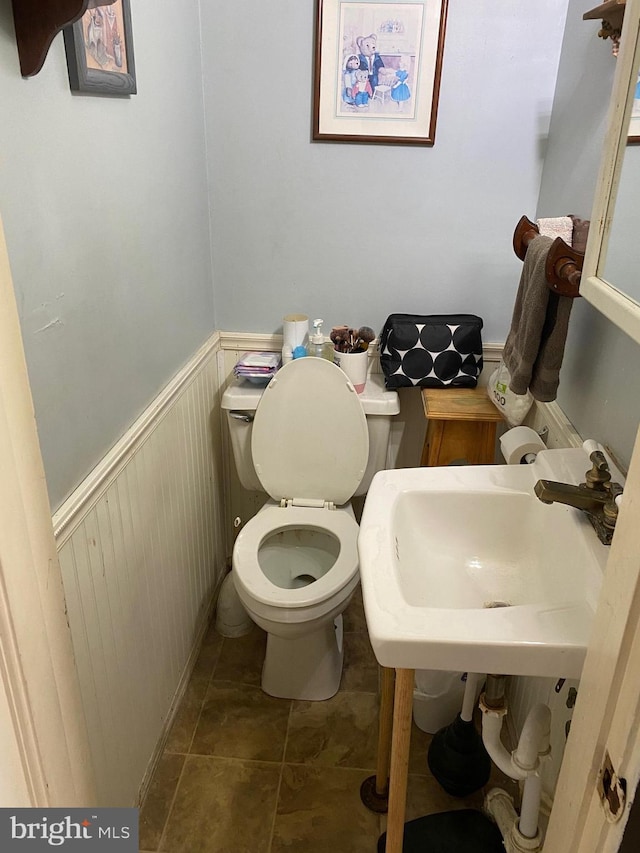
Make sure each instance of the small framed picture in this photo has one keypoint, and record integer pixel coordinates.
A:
(377, 71)
(99, 48)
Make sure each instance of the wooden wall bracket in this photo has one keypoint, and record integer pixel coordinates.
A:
(525, 232)
(611, 14)
(563, 267)
(38, 23)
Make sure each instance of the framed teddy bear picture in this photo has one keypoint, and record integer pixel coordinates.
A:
(377, 71)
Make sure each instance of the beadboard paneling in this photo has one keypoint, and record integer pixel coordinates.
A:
(141, 548)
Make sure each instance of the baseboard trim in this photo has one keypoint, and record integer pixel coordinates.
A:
(273, 343)
(250, 341)
(549, 421)
(492, 352)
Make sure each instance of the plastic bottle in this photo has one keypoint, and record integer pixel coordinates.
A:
(316, 340)
(318, 347)
(287, 354)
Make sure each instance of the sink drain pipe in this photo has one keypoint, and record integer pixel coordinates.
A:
(519, 833)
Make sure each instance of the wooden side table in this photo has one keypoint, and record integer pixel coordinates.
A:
(461, 426)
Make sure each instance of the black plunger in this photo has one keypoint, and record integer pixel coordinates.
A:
(457, 756)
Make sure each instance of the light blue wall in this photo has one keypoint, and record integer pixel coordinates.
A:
(600, 379)
(105, 208)
(352, 233)
(578, 121)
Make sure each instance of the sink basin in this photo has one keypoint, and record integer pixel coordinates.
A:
(464, 569)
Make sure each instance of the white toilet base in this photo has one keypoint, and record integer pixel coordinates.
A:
(308, 667)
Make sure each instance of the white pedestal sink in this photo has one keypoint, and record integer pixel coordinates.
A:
(463, 568)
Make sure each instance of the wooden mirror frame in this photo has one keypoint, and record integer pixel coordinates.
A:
(602, 294)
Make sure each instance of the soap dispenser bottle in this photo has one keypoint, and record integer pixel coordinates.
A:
(317, 345)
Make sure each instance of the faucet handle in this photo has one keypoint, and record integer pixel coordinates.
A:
(589, 445)
(599, 476)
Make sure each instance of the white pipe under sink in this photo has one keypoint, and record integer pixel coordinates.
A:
(520, 834)
(534, 740)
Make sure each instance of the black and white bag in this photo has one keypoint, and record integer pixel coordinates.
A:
(432, 350)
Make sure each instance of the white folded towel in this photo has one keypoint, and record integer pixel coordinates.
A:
(557, 226)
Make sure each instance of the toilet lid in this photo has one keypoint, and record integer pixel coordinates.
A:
(310, 437)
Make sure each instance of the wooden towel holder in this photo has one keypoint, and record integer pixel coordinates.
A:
(564, 264)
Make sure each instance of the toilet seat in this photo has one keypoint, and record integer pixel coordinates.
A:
(273, 519)
(310, 447)
(310, 439)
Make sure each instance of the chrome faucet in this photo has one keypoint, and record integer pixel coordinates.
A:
(596, 497)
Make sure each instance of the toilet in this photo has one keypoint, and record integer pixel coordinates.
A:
(306, 440)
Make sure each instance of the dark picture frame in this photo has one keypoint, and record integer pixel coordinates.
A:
(99, 48)
(377, 71)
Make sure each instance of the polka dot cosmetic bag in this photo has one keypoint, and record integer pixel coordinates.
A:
(431, 351)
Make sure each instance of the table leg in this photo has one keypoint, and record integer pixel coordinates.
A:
(387, 683)
(401, 740)
(374, 791)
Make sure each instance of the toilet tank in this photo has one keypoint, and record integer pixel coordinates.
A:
(241, 399)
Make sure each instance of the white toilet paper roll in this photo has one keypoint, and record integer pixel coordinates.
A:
(516, 443)
(295, 328)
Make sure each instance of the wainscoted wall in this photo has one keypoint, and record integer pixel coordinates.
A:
(142, 550)
(143, 545)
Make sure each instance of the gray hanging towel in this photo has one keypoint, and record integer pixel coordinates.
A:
(534, 347)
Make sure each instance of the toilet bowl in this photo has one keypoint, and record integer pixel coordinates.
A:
(295, 564)
(295, 576)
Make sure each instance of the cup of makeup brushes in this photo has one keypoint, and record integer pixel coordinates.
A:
(355, 365)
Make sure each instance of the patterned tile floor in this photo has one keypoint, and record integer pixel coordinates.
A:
(243, 771)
